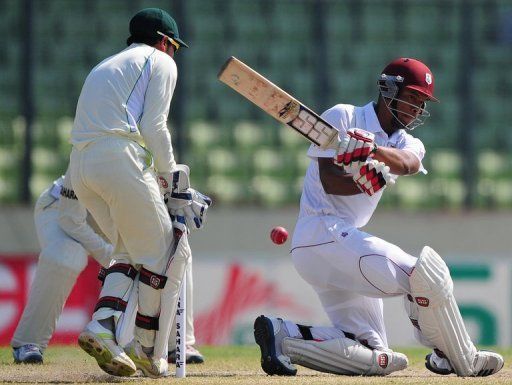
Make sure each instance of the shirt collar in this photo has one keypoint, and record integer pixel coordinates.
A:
(373, 124)
(371, 120)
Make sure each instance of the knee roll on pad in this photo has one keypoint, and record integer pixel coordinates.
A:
(343, 356)
(439, 317)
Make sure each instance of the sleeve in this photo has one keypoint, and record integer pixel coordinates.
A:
(73, 221)
(414, 145)
(335, 117)
(153, 123)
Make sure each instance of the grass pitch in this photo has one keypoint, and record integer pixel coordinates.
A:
(224, 366)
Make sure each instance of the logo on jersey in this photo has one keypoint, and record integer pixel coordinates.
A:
(344, 234)
(422, 301)
(428, 78)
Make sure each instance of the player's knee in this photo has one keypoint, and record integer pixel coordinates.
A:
(65, 253)
(384, 275)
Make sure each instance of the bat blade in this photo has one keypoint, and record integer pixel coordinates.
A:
(277, 103)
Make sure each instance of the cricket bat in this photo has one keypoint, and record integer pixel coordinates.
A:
(277, 103)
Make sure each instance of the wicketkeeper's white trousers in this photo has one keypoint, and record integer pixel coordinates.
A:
(112, 179)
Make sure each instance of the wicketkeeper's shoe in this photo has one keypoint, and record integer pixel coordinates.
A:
(154, 368)
(269, 334)
(100, 343)
(27, 354)
(193, 355)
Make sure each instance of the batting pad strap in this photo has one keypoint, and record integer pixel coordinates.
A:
(146, 322)
(114, 303)
(305, 331)
(123, 268)
(156, 281)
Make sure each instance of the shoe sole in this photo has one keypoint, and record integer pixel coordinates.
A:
(106, 361)
(264, 337)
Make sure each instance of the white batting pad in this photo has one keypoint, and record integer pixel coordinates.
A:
(343, 356)
(438, 314)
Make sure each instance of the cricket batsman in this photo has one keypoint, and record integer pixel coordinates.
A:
(351, 270)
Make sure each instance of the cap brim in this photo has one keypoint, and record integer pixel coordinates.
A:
(181, 42)
(418, 89)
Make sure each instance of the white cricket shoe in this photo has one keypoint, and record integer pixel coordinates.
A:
(27, 354)
(487, 363)
(193, 356)
(269, 334)
(100, 343)
(154, 368)
(437, 363)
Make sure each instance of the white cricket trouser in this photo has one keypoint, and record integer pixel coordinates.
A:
(112, 180)
(351, 271)
(60, 262)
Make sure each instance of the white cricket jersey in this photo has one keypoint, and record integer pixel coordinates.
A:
(129, 95)
(354, 210)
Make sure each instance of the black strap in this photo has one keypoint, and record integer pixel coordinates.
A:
(146, 322)
(305, 331)
(156, 281)
(123, 268)
(112, 303)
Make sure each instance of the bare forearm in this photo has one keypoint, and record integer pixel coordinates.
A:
(400, 162)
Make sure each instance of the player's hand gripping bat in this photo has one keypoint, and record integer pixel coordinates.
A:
(278, 104)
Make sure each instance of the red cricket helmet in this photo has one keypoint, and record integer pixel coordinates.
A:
(413, 74)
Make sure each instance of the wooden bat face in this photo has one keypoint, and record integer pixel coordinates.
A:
(277, 103)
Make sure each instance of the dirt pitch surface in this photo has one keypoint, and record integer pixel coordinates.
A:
(223, 366)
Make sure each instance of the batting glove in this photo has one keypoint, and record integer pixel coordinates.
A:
(355, 148)
(372, 177)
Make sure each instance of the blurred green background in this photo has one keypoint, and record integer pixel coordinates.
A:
(323, 52)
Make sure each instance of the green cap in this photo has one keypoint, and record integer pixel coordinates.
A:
(149, 21)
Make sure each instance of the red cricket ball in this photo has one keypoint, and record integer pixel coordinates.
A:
(279, 235)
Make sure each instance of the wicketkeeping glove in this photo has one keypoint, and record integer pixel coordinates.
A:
(189, 208)
(355, 148)
(373, 176)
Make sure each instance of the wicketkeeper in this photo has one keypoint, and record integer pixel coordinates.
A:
(120, 142)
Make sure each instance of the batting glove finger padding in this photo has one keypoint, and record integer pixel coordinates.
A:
(372, 177)
(356, 147)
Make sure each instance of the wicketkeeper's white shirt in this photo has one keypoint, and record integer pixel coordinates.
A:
(354, 210)
(129, 95)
